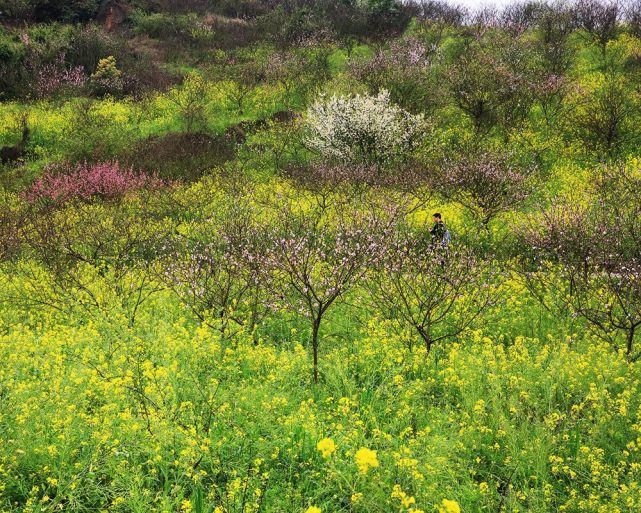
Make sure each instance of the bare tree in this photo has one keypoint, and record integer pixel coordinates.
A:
(486, 184)
(437, 292)
(599, 20)
(17, 151)
(554, 26)
(245, 76)
(300, 72)
(88, 256)
(597, 248)
(12, 216)
(603, 117)
(437, 11)
(191, 99)
(632, 15)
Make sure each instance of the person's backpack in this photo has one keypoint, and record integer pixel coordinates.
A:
(447, 238)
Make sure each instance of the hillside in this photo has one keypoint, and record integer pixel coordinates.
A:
(319, 256)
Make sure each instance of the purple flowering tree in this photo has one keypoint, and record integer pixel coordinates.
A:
(550, 91)
(315, 257)
(599, 20)
(329, 183)
(486, 184)
(218, 274)
(405, 69)
(58, 78)
(517, 18)
(491, 82)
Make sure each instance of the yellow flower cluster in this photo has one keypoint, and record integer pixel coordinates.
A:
(405, 500)
(449, 506)
(366, 459)
(327, 447)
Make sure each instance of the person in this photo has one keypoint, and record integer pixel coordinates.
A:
(439, 232)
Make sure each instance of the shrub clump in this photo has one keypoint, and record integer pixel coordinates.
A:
(180, 156)
(58, 78)
(87, 181)
(406, 70)
(362, 129)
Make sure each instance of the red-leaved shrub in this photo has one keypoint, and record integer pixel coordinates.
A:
(86, 181)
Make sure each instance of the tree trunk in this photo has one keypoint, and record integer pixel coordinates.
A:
(630, 341)
(254, 316)
(315, 330)
(427, 339)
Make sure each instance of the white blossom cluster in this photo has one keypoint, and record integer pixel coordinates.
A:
(362, 129)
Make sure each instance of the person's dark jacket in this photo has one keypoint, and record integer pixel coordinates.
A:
(438, 232)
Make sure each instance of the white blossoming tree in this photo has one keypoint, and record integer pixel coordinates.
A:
(362, 130)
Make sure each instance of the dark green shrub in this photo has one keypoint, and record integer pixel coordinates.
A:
(16, 9)
(12, 71)
(50, 10)
(180, 156)
(91, 43)
(66, 10)
(160, 25)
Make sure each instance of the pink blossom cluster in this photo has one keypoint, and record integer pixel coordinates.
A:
(407, 55)
(311, 265)
(54, 77)
(487, 183)
(85, 181)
